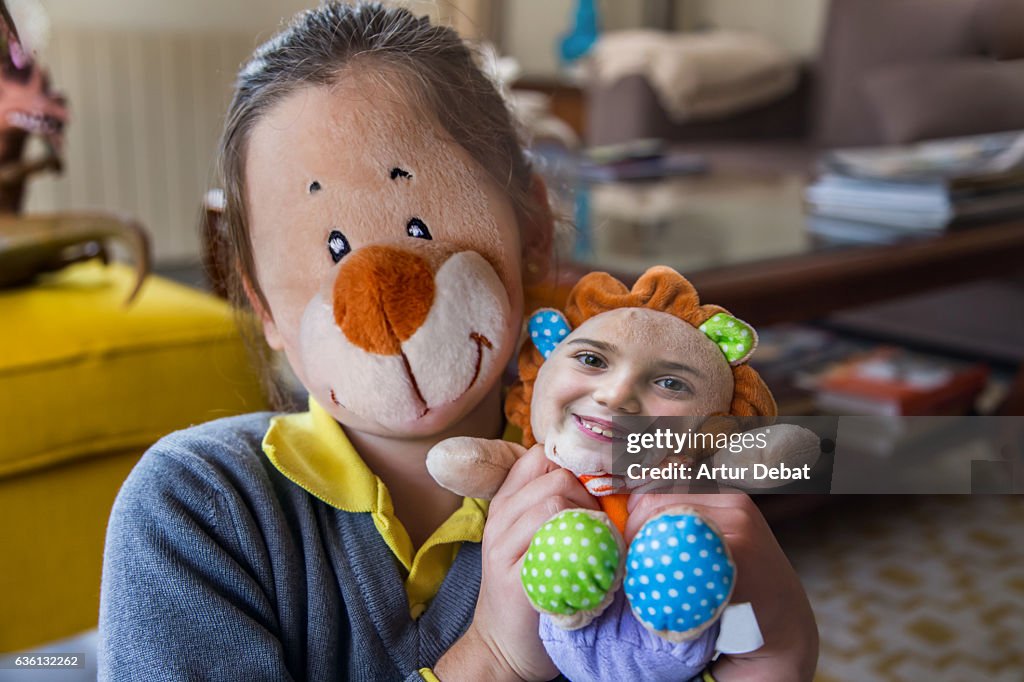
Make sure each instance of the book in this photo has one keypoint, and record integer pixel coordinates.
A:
(787, 352)
(651, 168)
(891, 381)
(925, 205)
(853, 232)
(958, 162)
(927, 186)
(644, 148)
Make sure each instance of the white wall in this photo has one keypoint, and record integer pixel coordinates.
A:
(249, 16)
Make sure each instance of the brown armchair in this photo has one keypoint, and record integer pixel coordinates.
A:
(888, 72)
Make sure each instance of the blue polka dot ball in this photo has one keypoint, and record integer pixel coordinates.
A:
(679, 575)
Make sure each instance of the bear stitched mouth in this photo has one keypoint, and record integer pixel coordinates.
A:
(415, 386)
(481, 342)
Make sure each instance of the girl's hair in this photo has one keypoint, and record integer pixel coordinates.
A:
(662, 289)
(430, 64)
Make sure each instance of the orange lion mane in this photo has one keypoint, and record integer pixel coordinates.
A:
(660, 288)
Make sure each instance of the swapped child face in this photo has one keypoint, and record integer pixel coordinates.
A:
(390, 261)
(625, 362)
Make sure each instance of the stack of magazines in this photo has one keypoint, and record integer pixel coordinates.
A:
(886, 193)
(643, 159)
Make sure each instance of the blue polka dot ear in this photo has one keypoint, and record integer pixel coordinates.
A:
(736, 338)
(547, 328)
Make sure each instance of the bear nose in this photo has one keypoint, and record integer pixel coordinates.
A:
(381, 297)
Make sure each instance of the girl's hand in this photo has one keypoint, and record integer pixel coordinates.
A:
(502, 642)
(764, 577)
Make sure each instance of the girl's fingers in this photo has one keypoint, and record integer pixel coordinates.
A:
(516, 516)
(520, 534)
(729, 497)
(527, 468)
(732, 514)
(512, 502)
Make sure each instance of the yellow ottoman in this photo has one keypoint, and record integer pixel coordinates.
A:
(86, 385)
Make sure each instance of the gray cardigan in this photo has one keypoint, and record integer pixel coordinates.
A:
(217, 567)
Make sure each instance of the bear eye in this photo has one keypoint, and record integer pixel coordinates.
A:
(417, 228)
(337, 245)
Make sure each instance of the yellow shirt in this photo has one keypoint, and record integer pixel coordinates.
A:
(312, 450)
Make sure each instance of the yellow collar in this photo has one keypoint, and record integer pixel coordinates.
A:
(312, 450)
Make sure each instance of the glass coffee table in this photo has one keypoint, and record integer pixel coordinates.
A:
(744, 242)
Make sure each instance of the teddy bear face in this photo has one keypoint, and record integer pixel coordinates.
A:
(390, 261)
(625, 362)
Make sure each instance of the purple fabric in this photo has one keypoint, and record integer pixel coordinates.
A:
(615, 646)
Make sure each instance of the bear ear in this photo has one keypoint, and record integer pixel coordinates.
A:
(547, 327)
(736, 338)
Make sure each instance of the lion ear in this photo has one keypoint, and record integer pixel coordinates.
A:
(596, 293)
(547, 327)
(736, 338)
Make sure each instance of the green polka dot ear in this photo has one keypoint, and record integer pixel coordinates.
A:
(736, 338)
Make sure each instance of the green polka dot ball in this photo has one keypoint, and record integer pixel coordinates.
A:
(571, 564)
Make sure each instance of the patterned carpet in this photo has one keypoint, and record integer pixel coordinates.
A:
(915, 588)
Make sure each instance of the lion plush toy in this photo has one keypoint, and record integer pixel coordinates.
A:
(650, 351)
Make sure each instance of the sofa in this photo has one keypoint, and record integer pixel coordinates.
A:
(887, 72)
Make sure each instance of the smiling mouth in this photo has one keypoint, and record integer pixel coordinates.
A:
(599, 429)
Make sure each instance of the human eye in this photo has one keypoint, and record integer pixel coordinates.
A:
(592, 360)
(338, 245)
(674, 385)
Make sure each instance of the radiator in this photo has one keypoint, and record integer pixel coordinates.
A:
(146, 111)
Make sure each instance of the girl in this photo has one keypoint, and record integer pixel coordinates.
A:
(382, 218)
